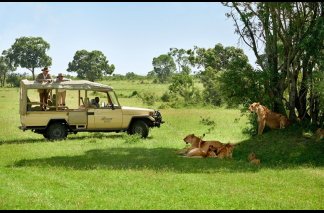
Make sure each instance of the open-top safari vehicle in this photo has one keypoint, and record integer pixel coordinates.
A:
(79, 115)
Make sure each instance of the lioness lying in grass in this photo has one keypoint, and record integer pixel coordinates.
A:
(201, 148)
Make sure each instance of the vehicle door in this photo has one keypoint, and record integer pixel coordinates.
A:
(108, 116)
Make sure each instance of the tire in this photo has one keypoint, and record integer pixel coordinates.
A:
(139, 127)
(56, 131)
(45, 135)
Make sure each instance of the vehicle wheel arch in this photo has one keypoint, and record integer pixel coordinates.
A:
(60, 120)
(145, 119)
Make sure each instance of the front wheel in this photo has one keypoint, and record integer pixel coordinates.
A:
(139, 127)
(56, 131)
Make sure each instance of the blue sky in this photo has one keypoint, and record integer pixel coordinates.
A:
(130, 34)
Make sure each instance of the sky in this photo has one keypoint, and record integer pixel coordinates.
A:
(129, 34)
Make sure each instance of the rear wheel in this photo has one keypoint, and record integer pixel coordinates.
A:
(139, 127)
(56, 131)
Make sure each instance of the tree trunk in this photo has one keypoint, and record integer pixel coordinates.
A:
(301, 101)
(292, 95)
(33, 72)
(315, 110)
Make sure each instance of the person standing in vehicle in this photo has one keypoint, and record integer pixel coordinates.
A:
(43, 93)
(61, 93)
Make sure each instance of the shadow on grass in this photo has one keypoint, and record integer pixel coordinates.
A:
(70, 137)
(277, 149)
(279, 153)
(158, 159)
(22, 141)
(284, 148)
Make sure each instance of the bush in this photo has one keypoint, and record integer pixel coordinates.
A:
(148, 98)
(134, 93)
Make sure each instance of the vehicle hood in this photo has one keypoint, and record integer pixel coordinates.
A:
(136, 110)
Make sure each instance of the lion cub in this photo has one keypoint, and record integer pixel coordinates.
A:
(226, 151)
(252, 159)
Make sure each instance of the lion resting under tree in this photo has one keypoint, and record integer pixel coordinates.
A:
(267, 117)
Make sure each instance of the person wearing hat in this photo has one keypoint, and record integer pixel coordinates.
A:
(43, 93)
(61, 93)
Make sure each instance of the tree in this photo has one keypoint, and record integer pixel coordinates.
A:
(164, 67)
(4, 69)
(226, 75)
(30, 53)
(181, 57)
(90, 65)
(14, 79)
(287, 39)
(182, 84)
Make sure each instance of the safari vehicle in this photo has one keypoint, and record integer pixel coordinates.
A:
(79, 115)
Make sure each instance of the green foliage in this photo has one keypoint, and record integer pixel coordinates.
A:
(181, 57)
(90, 65)
(227, 75)
(209, 123)
(242, 85)
(182, 84)
(211, 94)
(30, 53)
(148, 98)
(251, 128)
(164, 67)
(4, 69)
(134, 93)
(166, 97)
(292, 46)
(133, 76)
(14, 79)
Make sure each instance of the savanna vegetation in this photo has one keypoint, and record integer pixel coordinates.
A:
(204, 91)
(119, 171)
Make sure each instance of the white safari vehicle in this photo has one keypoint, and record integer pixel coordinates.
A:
(78, 114)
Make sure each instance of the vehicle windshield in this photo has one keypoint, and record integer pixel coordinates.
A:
(113, 98)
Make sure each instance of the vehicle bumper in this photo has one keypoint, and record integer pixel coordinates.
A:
(157, 119)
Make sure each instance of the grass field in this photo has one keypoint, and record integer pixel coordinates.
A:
(118, 171)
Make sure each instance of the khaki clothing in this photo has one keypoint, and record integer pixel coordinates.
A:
(40, 77)
(43, 93)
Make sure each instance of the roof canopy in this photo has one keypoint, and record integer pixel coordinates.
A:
(73, 85)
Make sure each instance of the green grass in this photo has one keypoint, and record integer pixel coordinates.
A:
(118, 171)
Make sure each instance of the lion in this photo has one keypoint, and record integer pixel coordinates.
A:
(267, 117)
(253, 159)
(226, 151)
(199, 147)
(319, 134)
(200, 153)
